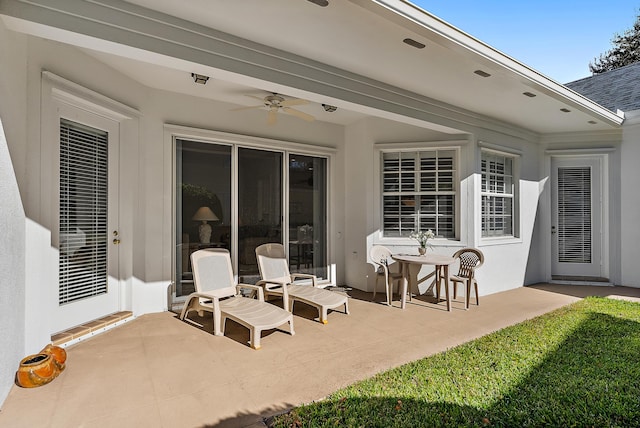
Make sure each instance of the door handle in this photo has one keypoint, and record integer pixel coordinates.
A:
(553, 230)
(116, 241)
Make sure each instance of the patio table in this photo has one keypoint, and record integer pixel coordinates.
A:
(441, 264)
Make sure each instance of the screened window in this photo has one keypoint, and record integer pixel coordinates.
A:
(498, 194)
(419, 192)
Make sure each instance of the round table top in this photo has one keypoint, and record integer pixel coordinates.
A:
(426, 259)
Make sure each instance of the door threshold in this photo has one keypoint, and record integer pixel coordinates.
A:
(580, 280)
(77, 334)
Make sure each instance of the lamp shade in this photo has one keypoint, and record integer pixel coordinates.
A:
(205, 214)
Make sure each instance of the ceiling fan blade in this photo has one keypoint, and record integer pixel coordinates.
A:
(299, 114)
(294, 102)
(272, 117)
(246, 108)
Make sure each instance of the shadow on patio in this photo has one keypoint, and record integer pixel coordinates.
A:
(161, 372)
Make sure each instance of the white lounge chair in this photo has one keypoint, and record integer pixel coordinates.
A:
(217, 292)
(278, 281)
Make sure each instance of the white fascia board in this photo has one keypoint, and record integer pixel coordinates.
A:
(114, 25)
(422, 22)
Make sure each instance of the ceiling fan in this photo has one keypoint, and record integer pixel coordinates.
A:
(275, 103)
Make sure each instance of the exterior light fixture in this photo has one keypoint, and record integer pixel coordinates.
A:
(329, 108)
(321, 3)
(592, 122)
(529, 94)
(565, 110)
(482, 73)
(200, 78)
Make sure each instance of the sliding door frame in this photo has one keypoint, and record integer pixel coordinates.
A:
(237, 141)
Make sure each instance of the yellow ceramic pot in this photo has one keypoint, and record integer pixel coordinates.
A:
(36, 370)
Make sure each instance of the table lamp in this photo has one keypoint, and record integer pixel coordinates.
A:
(205, 214)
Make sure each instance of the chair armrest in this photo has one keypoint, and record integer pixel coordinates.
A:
(313, 278)
(269, 284)
(256, 289)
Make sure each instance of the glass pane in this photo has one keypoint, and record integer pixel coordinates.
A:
(308, 215)
(203, 204)
(259, 207)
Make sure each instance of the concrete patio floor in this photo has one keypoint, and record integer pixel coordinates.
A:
(157, 371)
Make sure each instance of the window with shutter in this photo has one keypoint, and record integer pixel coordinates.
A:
(498, 194)
(419, 192)
(83, 212)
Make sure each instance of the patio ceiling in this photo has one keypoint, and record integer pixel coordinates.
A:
(349, 54)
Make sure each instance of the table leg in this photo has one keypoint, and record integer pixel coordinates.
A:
(446, 285)
(405, 283)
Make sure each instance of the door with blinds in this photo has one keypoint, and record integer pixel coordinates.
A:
(87, 228)
(577, 220)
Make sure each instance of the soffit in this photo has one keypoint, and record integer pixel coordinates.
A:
(366, 39)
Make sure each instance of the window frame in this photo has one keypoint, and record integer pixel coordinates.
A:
(514, 196)
(385, 148)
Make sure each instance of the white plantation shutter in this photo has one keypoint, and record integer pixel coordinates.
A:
(574, 215)
(83, 212)
(418, 192)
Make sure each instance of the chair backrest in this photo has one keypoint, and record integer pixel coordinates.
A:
(470, 259)
(380, 255)
(213, 272)
(272, 261)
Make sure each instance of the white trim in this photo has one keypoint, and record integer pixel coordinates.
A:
(378, 150)
(83, 98)
(516, 236)
(424, 145)
(205, 135)
(496, 148)
(579, 152)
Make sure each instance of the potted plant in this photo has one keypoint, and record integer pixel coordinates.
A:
(422, 236)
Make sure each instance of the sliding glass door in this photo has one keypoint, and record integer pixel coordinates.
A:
(259, 207)
(234, 197)
(203, 205)
(308, 214)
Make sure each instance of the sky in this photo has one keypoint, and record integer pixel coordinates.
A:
(556, 38)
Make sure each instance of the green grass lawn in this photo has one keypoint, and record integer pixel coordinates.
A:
(578, 366)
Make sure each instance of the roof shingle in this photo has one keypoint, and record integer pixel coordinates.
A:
(615, 89)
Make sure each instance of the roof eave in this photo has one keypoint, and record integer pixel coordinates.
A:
(409, 15)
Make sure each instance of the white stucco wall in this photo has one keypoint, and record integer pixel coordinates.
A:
(630, 201)
(507, 260)
(145, 172)
(12, 217)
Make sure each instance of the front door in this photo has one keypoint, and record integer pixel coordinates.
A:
(577, 218)
(87, 228)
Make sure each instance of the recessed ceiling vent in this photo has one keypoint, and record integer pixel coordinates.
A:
(482, 73)
(414, 43)
(322, 3)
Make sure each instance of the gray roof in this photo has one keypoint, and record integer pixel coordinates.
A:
(615, 89)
